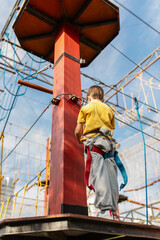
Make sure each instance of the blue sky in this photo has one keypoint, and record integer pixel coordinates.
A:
(135, 39)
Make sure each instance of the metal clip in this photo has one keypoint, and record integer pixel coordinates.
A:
(55, 101)
(74, 99)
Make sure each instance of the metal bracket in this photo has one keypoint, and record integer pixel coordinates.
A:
(74, 99)
(55, 101)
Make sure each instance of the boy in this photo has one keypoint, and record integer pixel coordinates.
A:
(98, 121)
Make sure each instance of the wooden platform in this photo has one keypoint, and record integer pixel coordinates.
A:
(75, 227)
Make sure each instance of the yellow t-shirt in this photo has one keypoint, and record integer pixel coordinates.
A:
(95, 115)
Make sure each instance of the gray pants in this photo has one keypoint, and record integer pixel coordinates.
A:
(103, 176)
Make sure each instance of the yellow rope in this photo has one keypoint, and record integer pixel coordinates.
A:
(8, 200)
(14, 207)
(38, 184)
(1, 209)
(25, 188)
(2, 138)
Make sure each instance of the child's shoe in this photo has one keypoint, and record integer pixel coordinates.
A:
(107, 214)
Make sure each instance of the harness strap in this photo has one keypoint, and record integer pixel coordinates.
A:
(119, 165)
(105, 155)
(88, 164)
(122, 170)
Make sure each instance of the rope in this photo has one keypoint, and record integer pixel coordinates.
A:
(38, 184)
(2, 209)
(33, 125)
(14, 207)
(15, 70)
(34, 59)
(25, 188)
(2, 138)
(8, 200)
(26, 132)
(7, 149)
(11, 108)
(27, 184)
(145, 162)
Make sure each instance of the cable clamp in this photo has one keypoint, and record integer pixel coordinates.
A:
(2, 135)
(55, 101)
(82, 61)
(74, 99)
(47, 166)
(39, 174)
(49, 66)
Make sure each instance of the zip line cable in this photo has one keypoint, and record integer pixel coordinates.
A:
(34, 124)
(137, 129)
(27, 132)
(137, 65)
(153, 148)
(137, 16)
(112, 88)
(26, 184)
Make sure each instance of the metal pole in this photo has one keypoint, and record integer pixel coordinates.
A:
(34, 86)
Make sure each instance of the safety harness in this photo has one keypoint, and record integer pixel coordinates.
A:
(105, 155)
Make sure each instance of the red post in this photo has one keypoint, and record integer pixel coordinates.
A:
(67, 192)
(47, 176)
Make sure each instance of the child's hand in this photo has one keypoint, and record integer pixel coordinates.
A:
(78, 131)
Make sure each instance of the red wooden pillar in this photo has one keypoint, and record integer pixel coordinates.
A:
(67, 192)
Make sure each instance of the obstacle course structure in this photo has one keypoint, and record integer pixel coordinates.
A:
(63, 32)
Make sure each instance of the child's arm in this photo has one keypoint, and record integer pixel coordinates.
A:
(78, 131)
